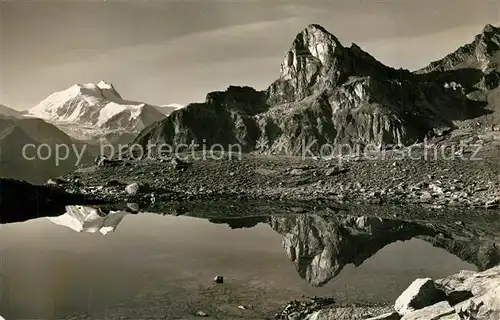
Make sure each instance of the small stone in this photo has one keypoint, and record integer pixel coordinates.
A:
(242, 307)
(201, 314)
(425, 196)
(219, 279)
(55, 182)
(135, 188)
(132, 189)
(133, 206)
(297, 172)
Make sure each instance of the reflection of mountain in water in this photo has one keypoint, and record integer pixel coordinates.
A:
(89, 219)
(320, 247)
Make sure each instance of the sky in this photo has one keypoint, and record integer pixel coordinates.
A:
(168, 51)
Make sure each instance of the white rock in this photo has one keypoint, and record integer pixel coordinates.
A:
(420, 294)
(387, 316)
(436, 311)
(132, 189)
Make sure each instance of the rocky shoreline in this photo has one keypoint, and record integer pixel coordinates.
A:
(467, 295)
(379, 178)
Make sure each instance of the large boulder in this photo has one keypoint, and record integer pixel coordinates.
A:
(387, 316)
(440, 310)
(420, 294)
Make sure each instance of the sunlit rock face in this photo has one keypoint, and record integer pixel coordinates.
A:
(89, 219)
(326, 93)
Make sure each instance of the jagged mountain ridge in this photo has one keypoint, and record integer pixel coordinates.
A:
(90, 111)
(326, 93)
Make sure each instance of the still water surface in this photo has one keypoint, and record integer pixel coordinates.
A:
(166, 264)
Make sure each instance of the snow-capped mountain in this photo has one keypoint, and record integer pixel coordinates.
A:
(92, 111)
(88, 219)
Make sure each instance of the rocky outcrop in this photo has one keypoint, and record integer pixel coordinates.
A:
(329, 94)
(482, 303)
(481, 54)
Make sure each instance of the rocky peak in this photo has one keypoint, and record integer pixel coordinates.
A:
(313, 60)
(481, 54)
(313, 42)
(490, 28)
(316, 62)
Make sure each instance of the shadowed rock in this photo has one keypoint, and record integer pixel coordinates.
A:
(320, 247)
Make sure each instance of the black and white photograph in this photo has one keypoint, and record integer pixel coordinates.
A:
(250, 159)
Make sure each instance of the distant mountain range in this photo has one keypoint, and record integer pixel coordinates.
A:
(80, 115)
(333, 94)
(326, 93)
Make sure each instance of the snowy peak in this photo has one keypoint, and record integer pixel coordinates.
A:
(97, 106)
(314, 44)
(88, 219)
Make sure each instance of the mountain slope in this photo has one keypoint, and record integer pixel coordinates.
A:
(473, 69)
(169, 108)
(9, 112)
(17, 132)
(326, 94)
(91, 111)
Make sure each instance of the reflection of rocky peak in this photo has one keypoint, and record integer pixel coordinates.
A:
(89, 219)
(483, 254)
(321, 247)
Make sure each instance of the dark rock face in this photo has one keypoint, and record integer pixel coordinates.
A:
(225, 118)
(36, 201)
(15, 133)
(330, 94)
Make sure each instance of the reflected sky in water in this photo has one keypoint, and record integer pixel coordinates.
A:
(50, 271)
